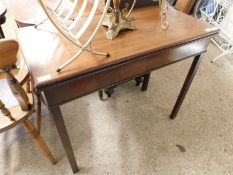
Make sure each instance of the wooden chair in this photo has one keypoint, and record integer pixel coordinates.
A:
(23, 74)
(23, 77)
(185, 6)
(14, 116)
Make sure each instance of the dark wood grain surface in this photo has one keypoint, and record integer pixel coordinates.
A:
(29, 12)
(133, 54)
(45, 51)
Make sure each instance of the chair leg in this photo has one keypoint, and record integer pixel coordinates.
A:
(39, 140)
(38, 112)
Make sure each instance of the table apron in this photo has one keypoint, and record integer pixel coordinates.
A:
(80, 86)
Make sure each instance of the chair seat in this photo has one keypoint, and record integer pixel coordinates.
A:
(17, 114)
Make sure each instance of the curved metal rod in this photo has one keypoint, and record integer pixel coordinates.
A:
(41, 22)
(88, 21)
(132, 7)
(58, 5)
(66, 15)
(58, 27)
(63, 7)
(79, 15)
(66, 33)
(90, 39)
(71, 11)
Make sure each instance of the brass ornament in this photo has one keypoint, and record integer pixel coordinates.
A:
(163, 13)
(117, 20)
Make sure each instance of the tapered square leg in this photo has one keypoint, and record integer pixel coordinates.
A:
(61, 128)
(145, 83)
(192, 72)
(1, 33)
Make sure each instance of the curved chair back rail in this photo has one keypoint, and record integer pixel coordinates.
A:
(8, 52)
(13, 116)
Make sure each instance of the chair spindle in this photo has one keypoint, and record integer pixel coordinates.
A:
(5, 111)
(17, 90)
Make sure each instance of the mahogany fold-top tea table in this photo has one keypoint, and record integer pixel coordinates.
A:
(133, 53)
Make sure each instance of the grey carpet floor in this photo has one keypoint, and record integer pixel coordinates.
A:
(130, 134)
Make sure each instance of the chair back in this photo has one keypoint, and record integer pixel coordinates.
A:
(8, 52)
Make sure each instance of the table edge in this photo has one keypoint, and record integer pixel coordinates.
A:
(47, 84)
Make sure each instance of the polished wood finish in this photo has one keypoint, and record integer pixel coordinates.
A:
(192, 71)
(145, 83)
(17, 90)
(145, 41)
(22, 75)
(39, 140)
(95, 80)
(5, 111)
(38, 110)
(35, 14)
(61, 128)
(17, 116)
(14, 116)
(133, 54)
(185, 5)
(8, 52)
(25, 16)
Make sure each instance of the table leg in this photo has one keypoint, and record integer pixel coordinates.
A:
(192, 71)
(61, 128)
(145, 83)
(1, 33)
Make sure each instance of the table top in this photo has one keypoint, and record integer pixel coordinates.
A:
(29, 12)
(44, 50)
(26, 16)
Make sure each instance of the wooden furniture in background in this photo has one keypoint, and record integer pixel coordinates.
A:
(185, 6)
(16, 115)
(133, 54)
(2, 18)
(35, 14)
(22, 74)
(29, 16)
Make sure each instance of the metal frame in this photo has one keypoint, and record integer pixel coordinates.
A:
(216, 14)
(59, 20)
